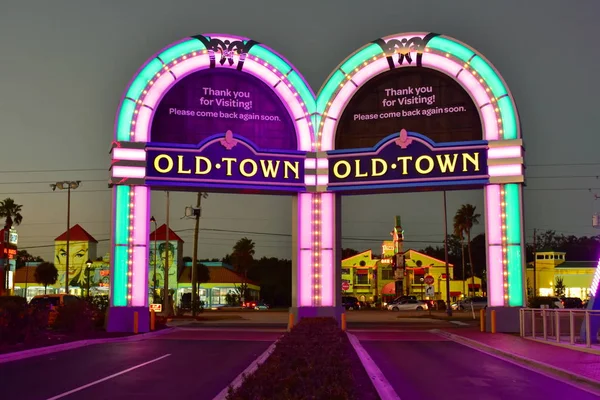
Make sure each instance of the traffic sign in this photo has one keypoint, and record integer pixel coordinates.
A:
(429, 280)
(345, 286)
(157, 307)
(429, 291)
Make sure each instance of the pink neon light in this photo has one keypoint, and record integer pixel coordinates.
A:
(142, 125)
(342, 98)
(505, 170)
(595, 280)
(120, 171)
(258, 69)
(193, 63)
(139, 277)
(327, 141)
(140, 217)
(304, 134)
(444, 64)
(505, 152)
(129, 154)
(310, 163)
(327, 269)
(160, 86)
(493, 214)
(310, 180)
(495, 276)
(322, 163)
(490, 123)
(474, 87)
(369, 71)
(407, 36)
(327, 220)
(305, 253)
(291, 100)
(322, 180)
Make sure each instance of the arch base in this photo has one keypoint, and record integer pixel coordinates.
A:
(120, 319)
(317, 312)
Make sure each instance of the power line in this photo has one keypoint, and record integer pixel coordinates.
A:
(48, 182)
(53, 170)
(563, 164)
(51, 192)
(562, 176)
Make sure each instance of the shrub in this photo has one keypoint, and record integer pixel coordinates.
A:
(313, 361)
(21, 323)
(75, 318)
(99, 306)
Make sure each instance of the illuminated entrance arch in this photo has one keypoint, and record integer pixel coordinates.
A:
(500, 128)
(153, 148)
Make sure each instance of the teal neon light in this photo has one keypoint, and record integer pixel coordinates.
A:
(303, 90)
(509, 118)
(515, 276)
(122, 215)
(141, 81)
(329, 89)
(120, 277)
(181, 49)
(513, 214)
(360, 57)
(271, 58)
(445, 45)
(125, 117)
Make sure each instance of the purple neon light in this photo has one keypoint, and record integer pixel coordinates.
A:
(326, 256)
(120, 171)
(493, 214)
(505, 170)
(305, 261)
(595, 280)
(505, 152)
(495, 276)
(129, 154)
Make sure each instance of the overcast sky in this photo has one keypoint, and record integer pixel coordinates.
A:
(65, 65)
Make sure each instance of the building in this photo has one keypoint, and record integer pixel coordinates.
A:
(551, 266)
(372, 279)
(223, 281)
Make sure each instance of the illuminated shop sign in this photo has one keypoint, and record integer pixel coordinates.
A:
(408, 160)
(225, 161)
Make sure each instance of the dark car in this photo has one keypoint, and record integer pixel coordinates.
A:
(572, 302)
(350, 303)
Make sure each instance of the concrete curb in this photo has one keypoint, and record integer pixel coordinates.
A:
(237, 382)
(566, 346)
(40, 351)
(381, 384)
(547, 368)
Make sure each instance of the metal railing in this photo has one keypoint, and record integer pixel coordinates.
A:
(574, 327)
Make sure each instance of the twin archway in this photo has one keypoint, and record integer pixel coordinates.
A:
(315, 120)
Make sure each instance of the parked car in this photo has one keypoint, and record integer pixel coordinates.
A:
(407, 305)
(350, 303)
(572, 302)
(399, 299)
(474, 303)
(54, 302)
(261, 305)
(10, 301)
(549, 301)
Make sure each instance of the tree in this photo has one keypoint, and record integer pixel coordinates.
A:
(559, 287)
(243, 257)
(24, 257)
(46, 274)
(11, 211)
(464, 220)
(529, 289)
(347, 253)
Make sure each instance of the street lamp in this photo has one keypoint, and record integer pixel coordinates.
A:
(68, 185)
(88, 265)
(154, 283)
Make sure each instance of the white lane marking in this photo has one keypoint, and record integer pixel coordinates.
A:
(459, 323)
(60, 396)
(237, 382)
(383, 387)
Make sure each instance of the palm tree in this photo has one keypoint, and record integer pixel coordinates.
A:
(243, 257)
(464, 220)
(11, 211)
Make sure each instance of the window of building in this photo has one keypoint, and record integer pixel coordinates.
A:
(539, 256)
(345, 271)
(387, 274)
(362, 279)
(215, 296)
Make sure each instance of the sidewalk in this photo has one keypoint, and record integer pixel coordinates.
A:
(568, 363)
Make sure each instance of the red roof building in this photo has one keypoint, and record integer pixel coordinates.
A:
(161, 235)
(76, 234)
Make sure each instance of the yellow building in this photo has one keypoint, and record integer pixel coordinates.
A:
(373, 279)
(551, 265)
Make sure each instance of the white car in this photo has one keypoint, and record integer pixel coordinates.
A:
(407, 305)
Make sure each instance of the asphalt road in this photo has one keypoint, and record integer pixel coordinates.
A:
(421, 366)
(182, 365)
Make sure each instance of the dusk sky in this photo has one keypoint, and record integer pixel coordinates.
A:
(65, 66)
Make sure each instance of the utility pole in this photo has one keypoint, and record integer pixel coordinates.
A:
(462, 252)
(534, 262)
(195, 255)
(448, 308)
